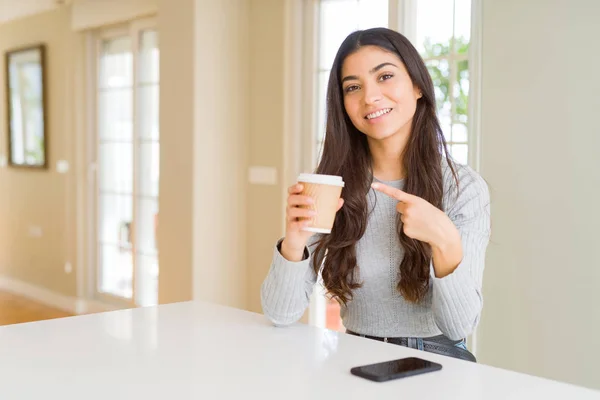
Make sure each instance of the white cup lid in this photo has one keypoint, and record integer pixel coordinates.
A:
(322, 179)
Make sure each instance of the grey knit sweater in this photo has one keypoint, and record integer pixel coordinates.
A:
(452, 305)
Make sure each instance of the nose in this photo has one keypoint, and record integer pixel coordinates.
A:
(372, 93)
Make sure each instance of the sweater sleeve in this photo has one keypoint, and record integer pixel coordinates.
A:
(457, 298)
(285, 292)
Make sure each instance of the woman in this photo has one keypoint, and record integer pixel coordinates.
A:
(405, 257)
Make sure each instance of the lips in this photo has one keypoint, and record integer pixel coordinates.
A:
(378, 113)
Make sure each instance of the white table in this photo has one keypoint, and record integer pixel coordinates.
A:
(194, 350)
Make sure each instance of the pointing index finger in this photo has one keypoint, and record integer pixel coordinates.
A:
(390, 191)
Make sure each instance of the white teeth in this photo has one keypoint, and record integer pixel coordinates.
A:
(379, 113)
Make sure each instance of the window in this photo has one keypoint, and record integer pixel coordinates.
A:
(442, 38)
(127, 160)
(441, 32)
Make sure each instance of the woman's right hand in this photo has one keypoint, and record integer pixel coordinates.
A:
(298, 216)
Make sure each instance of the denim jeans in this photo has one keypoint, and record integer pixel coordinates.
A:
(462, 344)
(417, 343)
(437, 344)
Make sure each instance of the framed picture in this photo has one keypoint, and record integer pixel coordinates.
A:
(26, 107)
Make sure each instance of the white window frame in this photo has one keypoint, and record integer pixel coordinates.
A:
(133, 30)
(403, 17)
(302, 23)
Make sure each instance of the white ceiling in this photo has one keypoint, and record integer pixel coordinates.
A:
(14, 9)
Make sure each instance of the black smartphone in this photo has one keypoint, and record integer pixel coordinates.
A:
(394, 369)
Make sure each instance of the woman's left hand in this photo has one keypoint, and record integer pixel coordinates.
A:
(421, 220)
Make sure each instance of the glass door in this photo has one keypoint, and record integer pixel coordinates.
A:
(127, 165)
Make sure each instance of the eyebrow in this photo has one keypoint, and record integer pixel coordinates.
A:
(377, 68)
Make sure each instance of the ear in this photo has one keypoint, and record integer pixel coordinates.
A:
(418, 92)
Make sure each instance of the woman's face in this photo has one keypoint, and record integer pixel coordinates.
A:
(379, 96)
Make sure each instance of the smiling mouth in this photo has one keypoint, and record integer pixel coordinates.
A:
(378, 114)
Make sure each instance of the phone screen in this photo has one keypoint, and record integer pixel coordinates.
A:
(395, 369)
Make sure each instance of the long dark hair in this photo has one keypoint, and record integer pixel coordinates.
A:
(346, 153)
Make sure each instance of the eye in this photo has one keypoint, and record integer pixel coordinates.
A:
(351, 88)
(385, 77)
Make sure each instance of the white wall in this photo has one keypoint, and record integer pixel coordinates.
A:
(266, 139)
(540, 155)
(204, 145)
(221, 131)
(175, 238)
(43, 200)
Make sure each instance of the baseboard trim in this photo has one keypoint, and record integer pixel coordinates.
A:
(50, 298)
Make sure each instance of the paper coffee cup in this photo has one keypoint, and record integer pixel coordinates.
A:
(325, 190)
